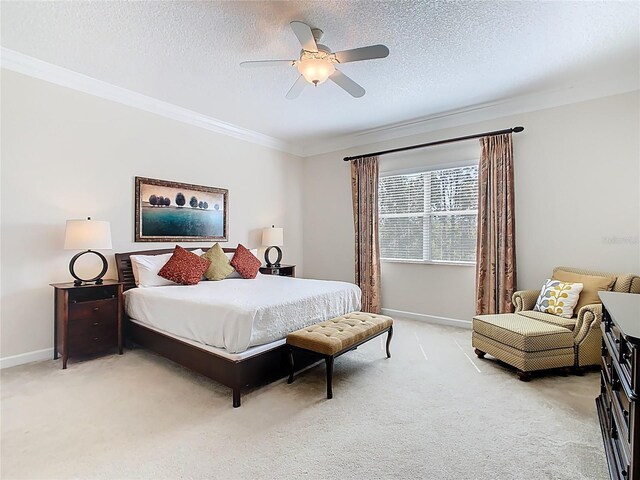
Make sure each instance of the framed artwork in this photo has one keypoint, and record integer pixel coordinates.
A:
(179, 212)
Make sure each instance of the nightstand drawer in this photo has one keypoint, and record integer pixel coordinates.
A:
(79, 329)
(97, 310)
(93, 343)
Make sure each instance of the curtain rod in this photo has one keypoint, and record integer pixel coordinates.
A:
(437, 142)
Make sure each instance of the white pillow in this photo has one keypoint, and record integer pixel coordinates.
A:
(230, 256)
(146, 267)
(558, 298)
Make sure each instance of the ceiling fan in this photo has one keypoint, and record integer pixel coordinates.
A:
(317, 63)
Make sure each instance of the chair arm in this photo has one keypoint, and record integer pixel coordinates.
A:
(589, 318)
(525, 299)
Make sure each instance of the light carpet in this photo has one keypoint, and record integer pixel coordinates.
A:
(433, 411)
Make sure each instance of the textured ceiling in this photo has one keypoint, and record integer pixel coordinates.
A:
(444, 55)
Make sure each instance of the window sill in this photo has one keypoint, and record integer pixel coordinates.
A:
(423, 262)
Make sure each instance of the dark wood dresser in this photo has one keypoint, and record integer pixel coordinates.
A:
(88, 319)
(617, 403)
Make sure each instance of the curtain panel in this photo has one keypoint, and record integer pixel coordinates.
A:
(364, 189)
(496, 242)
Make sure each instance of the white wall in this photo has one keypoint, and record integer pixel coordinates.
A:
(67, 155)
(577, 171)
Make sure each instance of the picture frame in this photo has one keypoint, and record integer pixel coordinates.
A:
(167, 211)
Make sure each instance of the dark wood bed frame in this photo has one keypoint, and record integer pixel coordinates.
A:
(257, 370)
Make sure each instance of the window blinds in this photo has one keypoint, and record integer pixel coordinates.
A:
(429, 216)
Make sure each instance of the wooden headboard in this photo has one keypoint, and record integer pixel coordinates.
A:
(123, 262)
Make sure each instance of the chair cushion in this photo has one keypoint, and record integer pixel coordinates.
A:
(591, 285)
(625, 282)
(523, 333)
(337, 334)
(569, 323)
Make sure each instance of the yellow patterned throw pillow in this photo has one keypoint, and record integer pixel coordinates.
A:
(220, 267)
(558, 298)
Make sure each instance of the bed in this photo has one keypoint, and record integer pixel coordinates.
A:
(233, 331)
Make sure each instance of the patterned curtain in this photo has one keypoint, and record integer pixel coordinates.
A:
(496, 249)
(364, 189)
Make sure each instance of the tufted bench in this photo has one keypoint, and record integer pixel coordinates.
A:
(334, 337)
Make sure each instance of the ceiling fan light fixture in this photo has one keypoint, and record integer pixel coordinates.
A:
(316, 70)
(316, 63)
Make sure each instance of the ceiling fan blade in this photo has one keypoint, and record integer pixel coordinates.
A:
(266, 63)
(344, 82)
(303, 32)
(362, 53)
(296, 89)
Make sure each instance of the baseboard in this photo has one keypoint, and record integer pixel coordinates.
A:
(451, 322)
(38, 355)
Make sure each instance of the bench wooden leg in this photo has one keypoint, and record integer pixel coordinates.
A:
(329, 361)
(389, 335)
(291, 366)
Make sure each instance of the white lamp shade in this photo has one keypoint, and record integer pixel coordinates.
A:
(87, 235)
(272, 237)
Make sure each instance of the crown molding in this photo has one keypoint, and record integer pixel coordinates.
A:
(473, 114)
(27, 65)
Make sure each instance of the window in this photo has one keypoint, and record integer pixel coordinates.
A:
(429, 216)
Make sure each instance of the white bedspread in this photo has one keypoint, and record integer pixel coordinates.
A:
(236, 314)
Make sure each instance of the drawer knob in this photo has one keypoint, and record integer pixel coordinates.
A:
(96, 323)
(95, 309)
(95, 339)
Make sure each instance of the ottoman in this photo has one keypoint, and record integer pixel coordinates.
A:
(524, 343)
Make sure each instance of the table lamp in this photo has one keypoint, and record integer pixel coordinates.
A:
(87, 235)
(272, 238)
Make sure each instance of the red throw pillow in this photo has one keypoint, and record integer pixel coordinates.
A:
(184, 267)
(245, 263)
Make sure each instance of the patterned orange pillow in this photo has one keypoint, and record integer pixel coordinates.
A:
(184, 267)
(245, 263)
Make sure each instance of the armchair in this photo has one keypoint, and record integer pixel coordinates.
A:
(586, 324)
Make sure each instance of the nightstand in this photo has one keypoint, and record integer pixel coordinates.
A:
(282, 270)
(88, 319)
